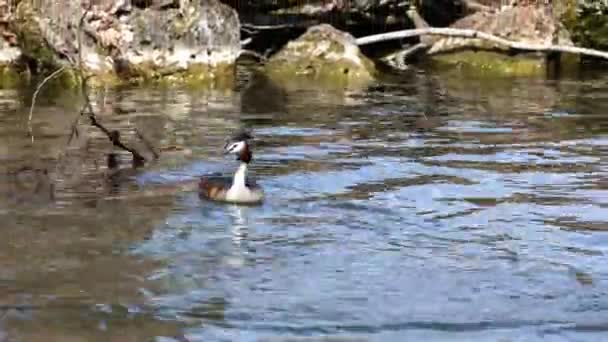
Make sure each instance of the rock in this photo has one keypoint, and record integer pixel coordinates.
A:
(525, 24)
(196, 40)
(9, 52)
(202, 33)
(47, 36)
(322, 55)
(530, 24)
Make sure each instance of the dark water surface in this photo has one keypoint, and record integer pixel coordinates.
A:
(429, 207)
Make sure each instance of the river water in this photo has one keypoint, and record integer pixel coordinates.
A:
(430, 206)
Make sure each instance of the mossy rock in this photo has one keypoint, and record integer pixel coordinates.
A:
(10, 77)
(323, 56)
(493, 64)
(31, 40)
(196, 47)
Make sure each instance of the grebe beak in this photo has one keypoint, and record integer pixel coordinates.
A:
(226, 147)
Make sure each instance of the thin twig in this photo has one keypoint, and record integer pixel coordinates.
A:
(475, 6)
(412, 50)
(473, 34)
(400, 57)
(246, 41)
(266, 27)
(249, 31)
(35, 96)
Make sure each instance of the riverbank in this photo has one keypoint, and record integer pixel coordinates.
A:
(321, 43)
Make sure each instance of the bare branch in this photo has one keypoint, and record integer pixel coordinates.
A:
(267, 27)
(401, 56)
(473, 34)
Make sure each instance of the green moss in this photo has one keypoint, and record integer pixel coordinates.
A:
(69, 81)
(10, 77)
(592, 31)
(202, 76)
(484, 63)
(222, 76)
(587, 22)
(197, 76)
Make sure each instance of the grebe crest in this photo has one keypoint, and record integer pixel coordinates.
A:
(238, 189)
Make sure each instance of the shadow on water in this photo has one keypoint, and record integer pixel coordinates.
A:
(428, 206)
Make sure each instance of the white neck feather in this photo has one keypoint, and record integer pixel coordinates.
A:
(239, 176)
(239, 192)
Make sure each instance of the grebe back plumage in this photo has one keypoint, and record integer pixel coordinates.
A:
(237, 189)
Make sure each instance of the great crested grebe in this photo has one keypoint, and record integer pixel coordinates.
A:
(236, 189)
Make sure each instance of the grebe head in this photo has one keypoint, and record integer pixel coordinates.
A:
(239, 146)
(235, 147)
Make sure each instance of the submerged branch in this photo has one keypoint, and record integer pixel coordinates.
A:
(473, 34)
(74, 130)
(113, 136)
(147, 143)
(35, 96)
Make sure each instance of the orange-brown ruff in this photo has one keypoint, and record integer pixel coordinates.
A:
(236, 189)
